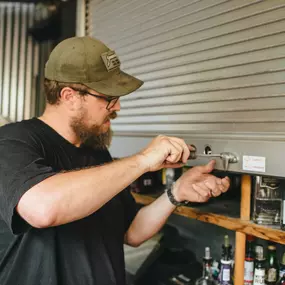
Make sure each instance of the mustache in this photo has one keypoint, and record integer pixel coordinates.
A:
(113, 115)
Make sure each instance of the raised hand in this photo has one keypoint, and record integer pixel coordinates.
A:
(198, 185)
(165, 152)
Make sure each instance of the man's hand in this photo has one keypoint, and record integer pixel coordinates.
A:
(198, 185)
(165, 152)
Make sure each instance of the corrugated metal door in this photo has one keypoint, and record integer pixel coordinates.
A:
(21, 63)
(213, 72)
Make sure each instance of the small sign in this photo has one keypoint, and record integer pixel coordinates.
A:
(253, 163)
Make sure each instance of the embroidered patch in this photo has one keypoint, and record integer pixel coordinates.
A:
(110, 60)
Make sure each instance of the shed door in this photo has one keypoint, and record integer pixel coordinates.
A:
(213, 72)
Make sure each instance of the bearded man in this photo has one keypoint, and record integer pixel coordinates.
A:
(64, 210)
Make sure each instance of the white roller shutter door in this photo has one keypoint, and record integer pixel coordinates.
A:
(213, 72)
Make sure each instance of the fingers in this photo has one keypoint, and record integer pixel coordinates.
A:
(203, 193)
(207, 168)
(164, 150)
(226, 184)
(214, 186)
(185, 151)
(207, 187)
(175, 152)
(217, 186)
(172, 165)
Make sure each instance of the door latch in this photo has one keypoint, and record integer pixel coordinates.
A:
(226, 157)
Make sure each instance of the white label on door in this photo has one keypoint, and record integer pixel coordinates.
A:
(253, 163)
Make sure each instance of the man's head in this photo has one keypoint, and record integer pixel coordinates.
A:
(83, 80)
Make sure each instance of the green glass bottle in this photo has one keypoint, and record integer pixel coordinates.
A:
(272, 275)
(282, 266)
(282, 280)
(259, 269)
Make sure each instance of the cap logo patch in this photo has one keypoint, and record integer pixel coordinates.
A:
(110, 60)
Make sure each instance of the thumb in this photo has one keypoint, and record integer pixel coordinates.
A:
(209, 167)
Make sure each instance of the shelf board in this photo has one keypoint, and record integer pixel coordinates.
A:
(233, 224)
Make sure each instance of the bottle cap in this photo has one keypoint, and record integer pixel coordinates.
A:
(226, 244)
(207, 253)
(272, 247)
(259, 252)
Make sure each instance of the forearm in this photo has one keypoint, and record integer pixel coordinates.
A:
(149, 221)
(73, 195)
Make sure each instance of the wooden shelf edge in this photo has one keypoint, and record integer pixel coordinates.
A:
(233, 224)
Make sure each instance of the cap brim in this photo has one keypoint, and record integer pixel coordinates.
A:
(119, 84)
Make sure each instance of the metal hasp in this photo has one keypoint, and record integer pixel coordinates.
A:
(227, 158)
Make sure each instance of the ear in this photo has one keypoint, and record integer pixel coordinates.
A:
(69, 97)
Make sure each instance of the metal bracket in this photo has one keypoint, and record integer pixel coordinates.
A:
(228, 157)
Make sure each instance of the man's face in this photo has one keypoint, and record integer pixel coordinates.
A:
(92, 120)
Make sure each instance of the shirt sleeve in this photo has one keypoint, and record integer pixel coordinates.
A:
(130, 207)
(21, 167)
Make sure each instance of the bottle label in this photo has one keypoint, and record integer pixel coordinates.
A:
(225, 274)
(272, 275)
(259, 276)
(248, 271)
(281, 272)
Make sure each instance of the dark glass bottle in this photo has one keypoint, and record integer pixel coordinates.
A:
(207, 278)
(249, 261)
(281, 280)
(272, 266)
(260, 269)
(226, 263)
(282, 266)
(226, 249)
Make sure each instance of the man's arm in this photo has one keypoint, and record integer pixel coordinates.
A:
(149, 220)
(66, 197)
(73, 195)
(196, 185)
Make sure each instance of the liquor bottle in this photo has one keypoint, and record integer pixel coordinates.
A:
(249, 261)
(281, 280)
(259, 270)
(226, 249)
(207, 278)
(226, 263)
(272, 266)
(282, 266)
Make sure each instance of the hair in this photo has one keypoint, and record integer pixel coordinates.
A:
(53, 88)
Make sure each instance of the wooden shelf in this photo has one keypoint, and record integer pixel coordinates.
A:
(233, 224)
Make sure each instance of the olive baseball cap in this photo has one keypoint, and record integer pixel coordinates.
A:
(88, 61)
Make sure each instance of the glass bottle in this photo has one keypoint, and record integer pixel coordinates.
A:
(249, 261)
(272, 266)
(267, 201)
(207, 278)
(226, 263)
(259, 270)
(282, 266)
(226, 249)
(281, 280)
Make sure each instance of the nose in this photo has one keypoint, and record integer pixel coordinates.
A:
(117, 106)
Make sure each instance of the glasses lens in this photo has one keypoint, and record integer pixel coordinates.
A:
(112, 103)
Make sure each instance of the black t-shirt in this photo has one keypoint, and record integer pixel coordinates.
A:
(84, 252)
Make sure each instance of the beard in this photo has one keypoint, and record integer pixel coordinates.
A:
(92, 136)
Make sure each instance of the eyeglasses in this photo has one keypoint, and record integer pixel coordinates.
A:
(111, 100)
